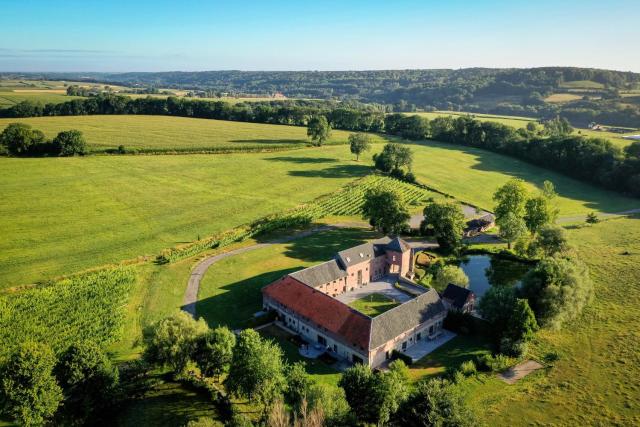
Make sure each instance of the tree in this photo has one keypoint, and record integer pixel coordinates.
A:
(511, 197)
(257, 369)
(447, 222)
(172, 341)
(537, 213)
(386, 210)
(551, 240)
(512, 228)
(298, 385)
(434, 403)
(549, 190)
(592, 218)
(28, 390)
(557, 127)
(70, 143)
(359, 143)
(450, 274)
(522, 324)
(319, 130)
(496, 307)
(374, 397)
(214, 350)
(393, 157)
(19, 139)
(557, 290)
(88, 380)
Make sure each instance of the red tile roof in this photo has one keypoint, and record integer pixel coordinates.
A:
(338, 318)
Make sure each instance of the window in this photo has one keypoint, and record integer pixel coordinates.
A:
(430, 329)
(404, 345)
(322, 340)
(419, 336)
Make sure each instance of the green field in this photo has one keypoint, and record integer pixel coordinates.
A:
(166, 133)
(67, 214)
(374, 304)
(9, 98)
(514, 121)
(582, 84)
(473, 175)
(597, 379)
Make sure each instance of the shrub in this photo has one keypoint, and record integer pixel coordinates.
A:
(497, 363)
(468, 368)
(70, 143)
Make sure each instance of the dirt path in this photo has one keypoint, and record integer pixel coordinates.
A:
(193, 286)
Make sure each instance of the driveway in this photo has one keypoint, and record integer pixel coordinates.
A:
(384, 287)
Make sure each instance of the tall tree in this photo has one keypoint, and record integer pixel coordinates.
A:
(434, 403)
(298, 386)
(450, 274)
(319, 130)
(29, 392)
(19, 139)
(172, 341)
(511, 197)
(88, 381)
(512, 228)
(394, 157)
(257, 369)
(70, 143)
(359, 143)
(537, 213)
(447, 222)
(214, 350)
(386, 210)
(522, 324)
(551, 240)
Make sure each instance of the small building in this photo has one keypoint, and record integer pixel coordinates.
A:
(479, 225)
(457, 298)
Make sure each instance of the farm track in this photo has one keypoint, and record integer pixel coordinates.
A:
(198, 272)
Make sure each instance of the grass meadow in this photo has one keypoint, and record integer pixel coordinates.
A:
(63, 215)
(167, 133)
(109, 208)
(597, 379)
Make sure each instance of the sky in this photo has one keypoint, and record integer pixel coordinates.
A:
(189, 35)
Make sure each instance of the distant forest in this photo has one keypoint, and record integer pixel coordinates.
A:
(593, 95)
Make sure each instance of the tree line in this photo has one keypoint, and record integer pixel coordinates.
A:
(593, 160)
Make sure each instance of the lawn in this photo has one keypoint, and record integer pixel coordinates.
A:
(11, 97)
(230, 290)
(597, 379)
(166, 132)
(374, 304)
(62, 215)
(473, 175)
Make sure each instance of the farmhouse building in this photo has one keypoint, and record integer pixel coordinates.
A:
(479, 225)
(457, 298)
(305, 302)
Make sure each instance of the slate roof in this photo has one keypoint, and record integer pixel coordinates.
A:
(360, 253)
(320, 274)
(483, 221)
(457, 295)
(410, 314)
(398, 245)
(351, 326)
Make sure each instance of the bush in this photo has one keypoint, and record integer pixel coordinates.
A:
(468, 368)
(513, 348)
(396, 355)
(70, 143)
(497, 363)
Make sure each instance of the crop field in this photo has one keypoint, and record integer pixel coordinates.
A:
(149, 133)
(108, 208)
(515, 121)
(562, 97)
(85, 307)
(582, 84)
(9, 98)
(473, 175)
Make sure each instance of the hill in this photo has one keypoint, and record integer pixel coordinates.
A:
(601, 94)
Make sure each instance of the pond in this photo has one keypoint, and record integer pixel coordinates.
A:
(485, 271)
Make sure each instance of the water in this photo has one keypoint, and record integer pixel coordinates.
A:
(485, 271)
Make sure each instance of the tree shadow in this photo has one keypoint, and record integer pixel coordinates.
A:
(324, 246)
(270, 141)
(236, 302)
(338, 171)
(593, 197)
(302, 160)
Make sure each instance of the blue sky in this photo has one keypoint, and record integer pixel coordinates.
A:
(160, 35)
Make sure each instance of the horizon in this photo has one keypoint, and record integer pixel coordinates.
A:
(159, 36)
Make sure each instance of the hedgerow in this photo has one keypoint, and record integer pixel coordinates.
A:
(86, 307)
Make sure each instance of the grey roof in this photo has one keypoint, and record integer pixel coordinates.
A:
(320, 274)
(394, 322)
(457, 295)
(398, 245)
